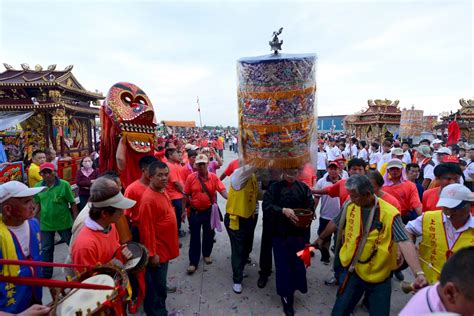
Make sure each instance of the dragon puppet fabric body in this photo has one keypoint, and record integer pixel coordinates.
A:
(128, 131)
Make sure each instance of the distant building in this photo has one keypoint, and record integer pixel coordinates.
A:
(333, 123)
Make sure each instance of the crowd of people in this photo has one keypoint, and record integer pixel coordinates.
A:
(383, 208)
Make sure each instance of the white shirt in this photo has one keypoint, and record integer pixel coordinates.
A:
(406, 157)
(322, 157)
(329, 206)
(385, 158)
(428, 172)
(363, 154)
(374, 158)
(241, 175)
(22, 234)
(333, 153)
(354, 151)
(469, 170)
(416, 228)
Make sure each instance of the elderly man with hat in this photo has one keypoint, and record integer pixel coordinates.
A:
(426, 163)
(397, 153)
(98, 241)
(397, 184)
(369, 231)
(200, 192)
(19, 240)
(444, 231)
(56, 207)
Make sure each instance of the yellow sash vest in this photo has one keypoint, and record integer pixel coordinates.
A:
(242, 203)
(434, 246)
(379, 256)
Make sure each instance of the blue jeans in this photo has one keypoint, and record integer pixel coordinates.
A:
(377, 294)
(178, 208)
(47, 244)
(196, 221)
(156, 293)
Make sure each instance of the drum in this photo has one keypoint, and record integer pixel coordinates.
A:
(305, 217)
(95, 302)
(139, 258)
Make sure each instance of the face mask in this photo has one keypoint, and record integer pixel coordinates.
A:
(87, 164)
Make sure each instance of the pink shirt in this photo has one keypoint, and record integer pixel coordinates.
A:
(425, 301)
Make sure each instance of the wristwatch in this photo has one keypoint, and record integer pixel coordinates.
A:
(419, 273)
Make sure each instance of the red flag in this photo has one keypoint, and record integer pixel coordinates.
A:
(454, 133)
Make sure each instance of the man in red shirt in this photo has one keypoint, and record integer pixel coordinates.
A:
(134, 192)
(234, 164)
(403, 190)
(175, 185)
(98, 240)
(445, 173)
(200, 192)
(159, 235)
(356, 166)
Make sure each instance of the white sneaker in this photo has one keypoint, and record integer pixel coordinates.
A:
(237, 287)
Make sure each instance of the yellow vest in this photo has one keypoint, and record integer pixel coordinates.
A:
(379, 250)
(434, 246)
(242, 203)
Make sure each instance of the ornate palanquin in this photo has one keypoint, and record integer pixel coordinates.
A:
(64, 111)
(465, 118)
(380, 120)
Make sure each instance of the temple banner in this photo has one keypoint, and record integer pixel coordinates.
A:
(429, 123)
(276, 102)
(411, 123)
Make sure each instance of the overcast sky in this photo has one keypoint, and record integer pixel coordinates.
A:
(419, 52)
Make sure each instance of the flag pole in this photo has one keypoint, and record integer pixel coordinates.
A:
(199, 110)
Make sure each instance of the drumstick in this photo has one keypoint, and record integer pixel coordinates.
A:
(430, 265)
(53, 283)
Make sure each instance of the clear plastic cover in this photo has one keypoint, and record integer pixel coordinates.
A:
(277, 110)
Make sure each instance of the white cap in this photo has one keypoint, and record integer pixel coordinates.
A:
(16, 189)
(454, 194)
(437, 141)
(117, 201)
(443, 150)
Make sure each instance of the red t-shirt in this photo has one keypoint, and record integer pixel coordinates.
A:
(339, 190)
(134, 191)
(92, 247)
(193, 189)
(430, 199)
(174, 176)
(234, 164)
(158, 227)
(387, 197)
(307, 175)
(406, 194)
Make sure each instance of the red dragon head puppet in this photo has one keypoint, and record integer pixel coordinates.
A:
(128, 120)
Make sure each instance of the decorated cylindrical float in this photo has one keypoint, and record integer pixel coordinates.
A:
(411, 123)
(276, 99)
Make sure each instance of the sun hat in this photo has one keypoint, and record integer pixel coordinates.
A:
(397, 151)
(453, 195)
(16, 189)
(118, 201)
(424, 150)
(443, 150)
(201, 158)
(394, 163)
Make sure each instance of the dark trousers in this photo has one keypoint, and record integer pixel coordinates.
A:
(198, 220)
(377, 294)
(178, 208)
(82, 201)
(265, 263)
(156, 293)
(241, 242)
(290, 272)
(47, 244)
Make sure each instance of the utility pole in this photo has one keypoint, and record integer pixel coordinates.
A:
(199, 110)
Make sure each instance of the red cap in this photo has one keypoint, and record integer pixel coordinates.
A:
(333, 163)
(47, 165)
